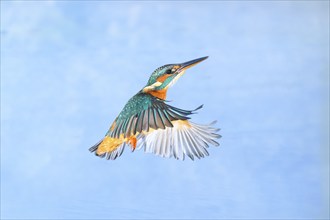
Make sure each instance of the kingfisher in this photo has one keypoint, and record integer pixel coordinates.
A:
(147, 121)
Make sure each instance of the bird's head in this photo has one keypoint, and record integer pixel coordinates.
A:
(165, 76)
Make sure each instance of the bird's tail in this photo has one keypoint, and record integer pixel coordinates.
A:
(109, 147)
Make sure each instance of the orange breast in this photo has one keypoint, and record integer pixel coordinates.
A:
(161, 94)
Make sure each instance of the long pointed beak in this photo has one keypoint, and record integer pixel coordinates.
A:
(191, 63)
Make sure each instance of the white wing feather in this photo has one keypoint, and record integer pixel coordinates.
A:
(182, 139)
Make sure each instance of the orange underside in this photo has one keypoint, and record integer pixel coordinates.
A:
(110, 144)
(161, 94)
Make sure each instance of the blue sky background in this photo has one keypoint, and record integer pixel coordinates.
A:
(68, 68)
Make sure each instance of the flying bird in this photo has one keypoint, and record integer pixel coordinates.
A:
(148, 121)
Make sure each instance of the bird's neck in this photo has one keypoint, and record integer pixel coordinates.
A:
(161, 94)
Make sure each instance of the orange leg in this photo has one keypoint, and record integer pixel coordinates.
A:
(132, 141)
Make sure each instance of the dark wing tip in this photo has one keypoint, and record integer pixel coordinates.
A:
(199, 107)
(95, 146)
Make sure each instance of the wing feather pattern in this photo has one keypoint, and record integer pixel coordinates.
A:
(156, 115)
(183, 139)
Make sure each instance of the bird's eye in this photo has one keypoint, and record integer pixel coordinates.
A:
(169, 71)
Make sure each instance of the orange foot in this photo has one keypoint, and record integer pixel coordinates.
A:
(132, 141)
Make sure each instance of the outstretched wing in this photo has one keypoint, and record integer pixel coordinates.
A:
(183, 139)
(144, 112)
